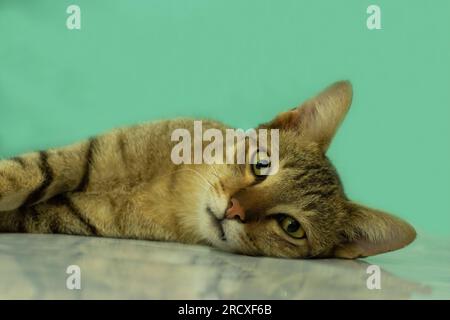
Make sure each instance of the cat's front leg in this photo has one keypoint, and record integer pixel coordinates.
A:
(19, 177)
(34, 177)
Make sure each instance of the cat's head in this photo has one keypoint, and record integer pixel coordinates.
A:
(302, 210)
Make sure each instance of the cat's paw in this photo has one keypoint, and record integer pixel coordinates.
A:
(15, 184)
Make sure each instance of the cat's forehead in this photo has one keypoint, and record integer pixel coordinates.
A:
(308, 175)
(295, 153)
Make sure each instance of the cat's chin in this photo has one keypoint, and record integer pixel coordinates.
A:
(220, 233)
(215, 233)
(230, 240)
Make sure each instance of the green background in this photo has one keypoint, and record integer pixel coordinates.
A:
(241, 62)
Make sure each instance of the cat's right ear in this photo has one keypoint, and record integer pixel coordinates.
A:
(368, 232)
(318, 118)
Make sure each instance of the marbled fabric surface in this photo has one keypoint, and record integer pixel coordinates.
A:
(34, 267)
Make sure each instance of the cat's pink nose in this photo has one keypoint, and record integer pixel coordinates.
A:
(235, 210)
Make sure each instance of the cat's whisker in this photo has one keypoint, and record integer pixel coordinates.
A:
(215, 173)
(186, 169)
(204, 179)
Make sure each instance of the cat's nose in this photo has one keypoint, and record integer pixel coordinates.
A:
(235, 210)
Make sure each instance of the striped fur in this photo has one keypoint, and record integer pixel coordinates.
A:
(123, 184)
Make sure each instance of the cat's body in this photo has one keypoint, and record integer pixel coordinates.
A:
(120, 184)
(123, 184)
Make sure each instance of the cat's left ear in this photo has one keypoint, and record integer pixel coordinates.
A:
(318, 118)
(369, 232)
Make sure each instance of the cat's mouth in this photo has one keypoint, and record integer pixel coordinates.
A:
(217, 223)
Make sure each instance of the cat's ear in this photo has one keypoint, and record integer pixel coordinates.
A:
(369, 232)
(318, 118)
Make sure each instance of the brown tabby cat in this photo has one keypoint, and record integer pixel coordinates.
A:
(123, 184)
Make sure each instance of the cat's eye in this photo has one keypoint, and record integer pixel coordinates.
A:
(291, 226)
(261, 165)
